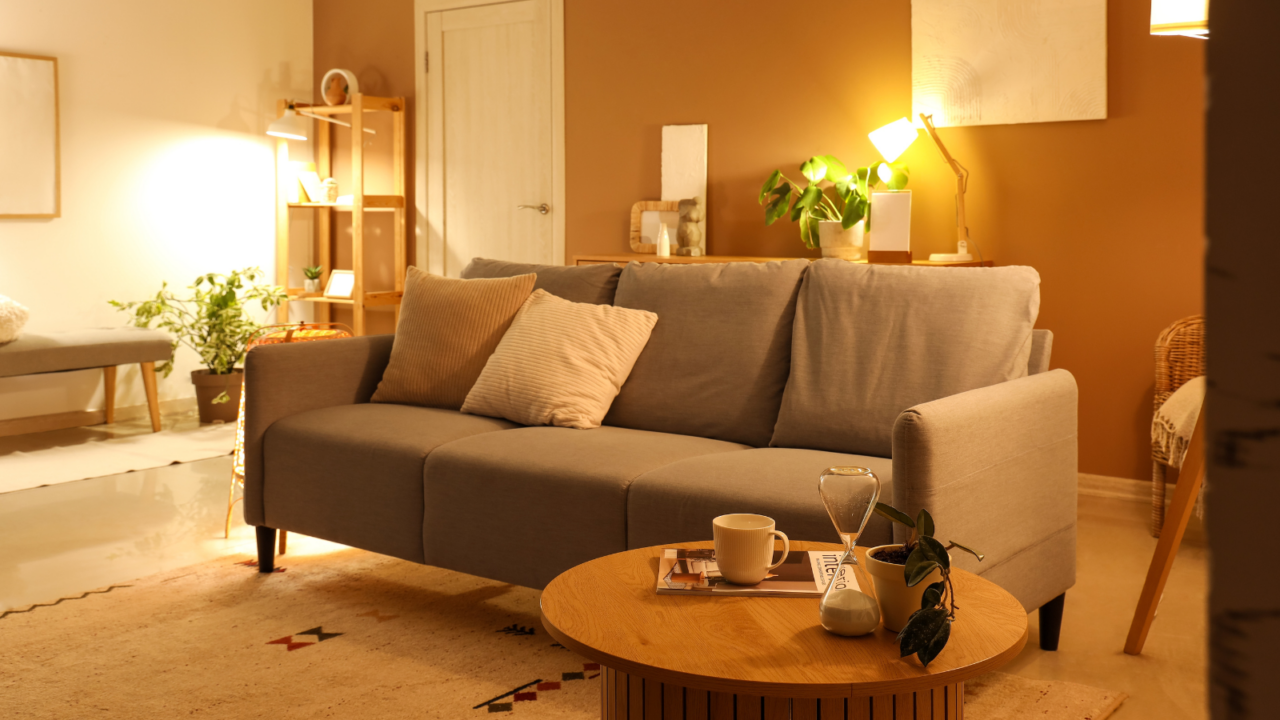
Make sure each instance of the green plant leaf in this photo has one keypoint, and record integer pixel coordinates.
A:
(813, 220)
(971, 551)
(815, 169)
(836, 171)
(894, 514)
(769, 185)
(935, 646)
(810, 197)
(804, 226)
(936, 551)
(919, 565)
(933, 595)
(920, 630)
(901, 173)
(779, 205)
(865, 179)
(924, 522)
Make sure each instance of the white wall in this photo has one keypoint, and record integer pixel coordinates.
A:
(166, 170)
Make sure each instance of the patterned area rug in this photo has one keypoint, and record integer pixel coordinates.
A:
(344, 634)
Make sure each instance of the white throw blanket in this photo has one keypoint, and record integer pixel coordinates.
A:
(1173, 425)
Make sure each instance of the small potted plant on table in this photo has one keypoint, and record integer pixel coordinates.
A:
(834, 216)
(215, 323)
(913, 585)
(312, 283)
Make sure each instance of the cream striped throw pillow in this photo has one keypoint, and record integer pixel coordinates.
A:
(561, 363)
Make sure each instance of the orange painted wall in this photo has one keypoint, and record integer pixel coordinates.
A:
(1109, 212)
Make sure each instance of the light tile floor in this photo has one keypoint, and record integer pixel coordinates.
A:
(65, 539)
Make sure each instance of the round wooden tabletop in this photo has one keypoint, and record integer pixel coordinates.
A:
(607, 611)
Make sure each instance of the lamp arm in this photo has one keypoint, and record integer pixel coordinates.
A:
(962, 179)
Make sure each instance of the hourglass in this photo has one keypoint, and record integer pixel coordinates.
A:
(849, 494)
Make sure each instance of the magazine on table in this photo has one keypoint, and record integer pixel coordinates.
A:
(694, 572)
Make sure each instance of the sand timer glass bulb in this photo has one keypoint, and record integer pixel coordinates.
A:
(849, 494)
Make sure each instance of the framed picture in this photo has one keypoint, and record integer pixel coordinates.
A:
(341, 283)
(29, 171)
(645, 218)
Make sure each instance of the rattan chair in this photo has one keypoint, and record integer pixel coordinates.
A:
(1179, 358)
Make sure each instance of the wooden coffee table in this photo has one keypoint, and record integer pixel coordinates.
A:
(668, 657)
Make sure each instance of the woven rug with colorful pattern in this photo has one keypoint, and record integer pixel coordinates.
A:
(345, 634)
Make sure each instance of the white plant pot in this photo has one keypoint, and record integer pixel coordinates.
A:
(897, 601)
(310, 285)
(837, 242)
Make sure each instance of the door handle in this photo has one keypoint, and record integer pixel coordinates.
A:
(540, 208)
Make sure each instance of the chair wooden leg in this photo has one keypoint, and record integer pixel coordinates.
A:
(1175, 524)
(109, 391)
(1158, 480)
(266, 549)
(284, 541)
(153, 397)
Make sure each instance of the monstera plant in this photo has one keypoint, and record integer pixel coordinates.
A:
(831, 193)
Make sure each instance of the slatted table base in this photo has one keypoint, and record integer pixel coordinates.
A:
(629, 697)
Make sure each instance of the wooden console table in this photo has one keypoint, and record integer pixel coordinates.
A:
(684, 260)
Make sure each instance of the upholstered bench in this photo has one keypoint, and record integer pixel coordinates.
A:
(33, 354)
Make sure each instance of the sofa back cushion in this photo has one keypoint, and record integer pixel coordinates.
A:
(577, 283)
(874, 340)
(448, 329)
(717, 360)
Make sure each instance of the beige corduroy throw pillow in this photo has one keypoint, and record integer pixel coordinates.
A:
(448, 329)
(561, 363)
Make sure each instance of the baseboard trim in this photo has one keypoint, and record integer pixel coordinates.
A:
(1115, 488)
(85, 418)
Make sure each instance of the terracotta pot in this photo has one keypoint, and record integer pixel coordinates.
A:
(897, 601)
(210, 386)
(836, 242)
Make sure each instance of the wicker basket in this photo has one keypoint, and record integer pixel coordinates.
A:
(1179, 358)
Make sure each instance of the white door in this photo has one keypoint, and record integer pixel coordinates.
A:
(489, 136)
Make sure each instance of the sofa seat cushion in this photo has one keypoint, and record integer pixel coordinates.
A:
(523, 506)
(353, 473)
(677, 502)
(717, 360)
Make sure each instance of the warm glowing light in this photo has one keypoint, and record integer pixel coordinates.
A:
(893, 139)
(290, 126)
(885, 172)
(1180, 17)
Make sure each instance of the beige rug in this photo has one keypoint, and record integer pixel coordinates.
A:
(341, 635)
(20, 471)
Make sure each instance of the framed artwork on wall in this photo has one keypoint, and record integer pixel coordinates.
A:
(991, 62)
(30, 172)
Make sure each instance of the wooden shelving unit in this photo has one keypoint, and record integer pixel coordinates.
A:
(361, 296)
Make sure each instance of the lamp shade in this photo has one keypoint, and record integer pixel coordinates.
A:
(893, 139)
(1180, 17)
(291, 125)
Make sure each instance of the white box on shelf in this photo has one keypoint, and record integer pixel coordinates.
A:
(890, 225)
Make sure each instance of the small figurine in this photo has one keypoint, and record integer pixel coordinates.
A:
(689, 233)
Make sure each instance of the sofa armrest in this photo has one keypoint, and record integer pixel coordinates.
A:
(286, 379)
(996, 467)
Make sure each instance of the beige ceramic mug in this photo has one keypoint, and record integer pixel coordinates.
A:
(744, 547)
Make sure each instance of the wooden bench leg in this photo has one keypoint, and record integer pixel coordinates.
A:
(1175, 524)
(153, 398)
(109, 390)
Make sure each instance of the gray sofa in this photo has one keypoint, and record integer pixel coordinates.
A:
(735, 405)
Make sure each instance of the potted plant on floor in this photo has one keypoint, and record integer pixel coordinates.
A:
(834, 216)
(913, 585)
(214, 322)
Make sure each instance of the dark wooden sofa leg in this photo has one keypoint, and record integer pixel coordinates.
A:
(266, 549)
(1050, 621)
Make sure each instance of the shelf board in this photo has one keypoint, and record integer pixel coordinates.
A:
(371, 299)
(372, 203)
(372, 103)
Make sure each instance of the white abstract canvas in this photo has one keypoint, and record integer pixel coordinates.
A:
(995, 62)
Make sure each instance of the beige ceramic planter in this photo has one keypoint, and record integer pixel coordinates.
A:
(897, 601)
(836, 242)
